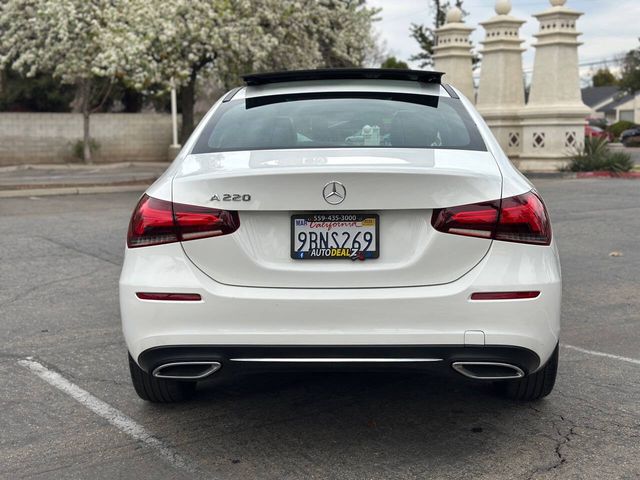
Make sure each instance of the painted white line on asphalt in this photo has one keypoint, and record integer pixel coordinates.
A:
(112, 415)
(602, 354)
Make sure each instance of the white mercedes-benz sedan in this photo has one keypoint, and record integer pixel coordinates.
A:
(341, 219)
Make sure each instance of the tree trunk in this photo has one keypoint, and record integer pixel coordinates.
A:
(86, 112)
(187, 103)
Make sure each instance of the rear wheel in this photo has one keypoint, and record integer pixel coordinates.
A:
(534, 386)
(159, 390)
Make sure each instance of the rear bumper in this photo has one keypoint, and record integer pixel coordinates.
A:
(440, 315)
(239, 359)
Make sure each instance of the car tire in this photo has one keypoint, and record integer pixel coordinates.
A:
(159, 390)
(534, 386)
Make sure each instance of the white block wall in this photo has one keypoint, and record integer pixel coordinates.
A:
(49, 137)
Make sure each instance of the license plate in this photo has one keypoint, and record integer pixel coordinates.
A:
(332, 236)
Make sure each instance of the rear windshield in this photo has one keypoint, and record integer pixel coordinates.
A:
(336, 120)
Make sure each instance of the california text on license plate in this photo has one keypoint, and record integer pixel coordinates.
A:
(352, 236)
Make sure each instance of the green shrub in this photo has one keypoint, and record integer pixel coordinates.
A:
(596, 156)
(594, 147)
(617, 128)
(619, 162)
(78, 148)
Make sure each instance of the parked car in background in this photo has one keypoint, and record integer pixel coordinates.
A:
(597, 122)
(597, 132)
(631, 137)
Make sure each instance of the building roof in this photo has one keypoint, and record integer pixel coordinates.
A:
(592, 96)
(616, 103)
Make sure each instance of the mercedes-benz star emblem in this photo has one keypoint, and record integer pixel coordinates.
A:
(334, 193)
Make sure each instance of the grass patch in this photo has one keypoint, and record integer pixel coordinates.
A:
(77, 149)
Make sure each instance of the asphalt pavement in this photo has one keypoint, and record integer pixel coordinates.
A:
(60, 259)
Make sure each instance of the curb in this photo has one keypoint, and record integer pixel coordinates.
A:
(546, 175)
(581, 175)
(625, 175)
(42, 192)
(47, 186)
(80, 166)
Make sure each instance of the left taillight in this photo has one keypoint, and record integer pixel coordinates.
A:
(521, 219)
(155, 222)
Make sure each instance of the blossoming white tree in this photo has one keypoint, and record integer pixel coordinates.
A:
(184, 38)
(153, 44)
(225, 38)
(77, 41)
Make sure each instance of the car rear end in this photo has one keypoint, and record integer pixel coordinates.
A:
(327, 222)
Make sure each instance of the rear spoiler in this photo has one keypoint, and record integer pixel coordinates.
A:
(422, 76)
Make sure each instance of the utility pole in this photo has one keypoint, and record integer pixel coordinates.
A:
(174, 148)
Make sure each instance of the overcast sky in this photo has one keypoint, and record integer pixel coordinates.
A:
(610, 27)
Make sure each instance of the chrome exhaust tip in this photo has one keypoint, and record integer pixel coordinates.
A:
(488, 370)
(186, 370)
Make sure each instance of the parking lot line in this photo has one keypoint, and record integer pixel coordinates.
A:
(602, 354)
(112, 415)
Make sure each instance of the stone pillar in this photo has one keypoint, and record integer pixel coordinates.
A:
(452, 53)
(554, 117)
(501, 88)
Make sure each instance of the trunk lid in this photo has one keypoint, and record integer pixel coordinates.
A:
(402, 186)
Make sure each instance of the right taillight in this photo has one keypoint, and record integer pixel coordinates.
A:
(524, 219)
(155, 222)
(521, 219)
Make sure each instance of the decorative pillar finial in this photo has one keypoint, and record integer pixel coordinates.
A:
(454, 15)
(557, 3)
(503, 7)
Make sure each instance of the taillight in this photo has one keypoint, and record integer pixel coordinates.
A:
(201, 222)
(156, 221)
(524, 219)
(521, 219)
(475, 220)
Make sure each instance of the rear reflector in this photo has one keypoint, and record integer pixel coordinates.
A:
(504, 295)
(174, 297)
(521, 219)
(155, 222)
